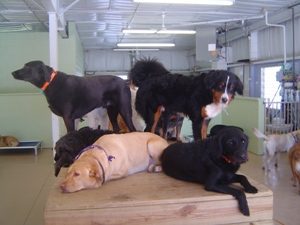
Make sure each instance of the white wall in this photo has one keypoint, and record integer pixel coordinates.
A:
(267, 43)
(106, 60)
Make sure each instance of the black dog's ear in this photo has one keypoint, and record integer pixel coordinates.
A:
(57, 167)
(210, 79)
(220, 144)
(239, 86)
(46, 70)
(216, 147)
(56, 156)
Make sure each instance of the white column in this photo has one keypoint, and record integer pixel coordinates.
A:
(53, 50)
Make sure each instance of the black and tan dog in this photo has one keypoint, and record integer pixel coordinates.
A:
(71, 97)
(212, 162)
(198, 97)
(69, 145)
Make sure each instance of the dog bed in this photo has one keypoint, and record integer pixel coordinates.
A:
(35, 145)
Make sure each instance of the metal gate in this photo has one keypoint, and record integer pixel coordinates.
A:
(282, 117)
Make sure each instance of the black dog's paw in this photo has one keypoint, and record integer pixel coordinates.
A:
(251, 189)
(243, 204)
(245, 210)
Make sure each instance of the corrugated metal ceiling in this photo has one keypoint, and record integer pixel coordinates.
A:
(100, 22)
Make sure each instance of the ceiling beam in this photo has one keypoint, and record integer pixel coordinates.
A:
(54, 6)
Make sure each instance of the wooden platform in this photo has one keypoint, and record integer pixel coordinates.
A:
(153, 199)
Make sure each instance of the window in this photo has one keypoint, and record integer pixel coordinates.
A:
(269, 85)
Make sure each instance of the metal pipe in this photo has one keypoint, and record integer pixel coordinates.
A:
(293, 36)
(217, 21)
(70, 6)
(284, 36)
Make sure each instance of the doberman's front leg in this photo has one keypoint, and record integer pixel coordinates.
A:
(69, 123)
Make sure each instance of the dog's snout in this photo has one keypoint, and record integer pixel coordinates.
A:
(63, 187)
(244, 157)
(224, 99)
(14, 73)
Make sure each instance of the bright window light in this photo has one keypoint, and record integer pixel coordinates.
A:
(202, 2)
(153, 45)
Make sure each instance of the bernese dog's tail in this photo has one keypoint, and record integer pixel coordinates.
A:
(144, 69)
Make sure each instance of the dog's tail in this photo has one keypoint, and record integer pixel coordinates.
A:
(259, 134)
(144, 69)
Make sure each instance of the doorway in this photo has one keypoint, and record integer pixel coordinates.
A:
(270, 87)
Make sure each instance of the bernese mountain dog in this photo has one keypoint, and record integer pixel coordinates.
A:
(200, 97)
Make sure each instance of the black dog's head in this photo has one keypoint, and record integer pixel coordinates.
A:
(35, 72)
(69, 146)
(233, 145)
(224, 85)
(219, 127)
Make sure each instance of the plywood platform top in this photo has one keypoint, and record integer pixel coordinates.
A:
(138, 190)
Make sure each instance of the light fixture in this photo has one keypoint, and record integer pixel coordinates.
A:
(153, 45)
(202, 2)
(139, 31)
(165, 31)
(135, 49)
(162, 31)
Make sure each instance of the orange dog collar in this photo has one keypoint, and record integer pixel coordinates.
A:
(46, 84)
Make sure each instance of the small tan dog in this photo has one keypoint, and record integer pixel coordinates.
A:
(8, 141)
(294, 158)
(275, 143)
(114, 156)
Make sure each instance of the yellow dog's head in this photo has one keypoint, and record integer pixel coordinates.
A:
(85, 173)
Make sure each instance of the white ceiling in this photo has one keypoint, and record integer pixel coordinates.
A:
(100, 22)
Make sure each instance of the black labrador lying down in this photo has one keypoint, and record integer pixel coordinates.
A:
(69, 146)
(212, 162)
(71, 97)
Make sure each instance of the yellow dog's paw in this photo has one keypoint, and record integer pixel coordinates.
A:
(154, 168)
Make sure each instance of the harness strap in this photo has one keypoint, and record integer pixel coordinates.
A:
(109, 158)
(102, 169)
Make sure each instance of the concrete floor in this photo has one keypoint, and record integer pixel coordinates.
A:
(26, 180)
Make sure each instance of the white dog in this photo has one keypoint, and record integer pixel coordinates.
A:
(275, 143)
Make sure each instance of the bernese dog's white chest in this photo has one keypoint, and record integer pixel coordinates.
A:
(213, 109)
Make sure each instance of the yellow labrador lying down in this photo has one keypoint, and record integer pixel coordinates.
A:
(114, 156)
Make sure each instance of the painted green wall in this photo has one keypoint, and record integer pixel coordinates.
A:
(24, 110)
(247, 113)
(25, 117)
(244, 112)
